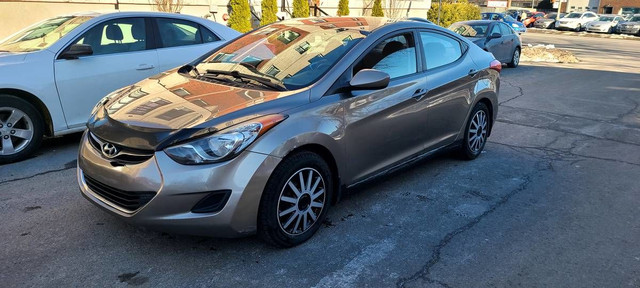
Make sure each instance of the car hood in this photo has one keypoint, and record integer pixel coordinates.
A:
(172, 107)
(631, 23)
(545, 20)
(570, 19)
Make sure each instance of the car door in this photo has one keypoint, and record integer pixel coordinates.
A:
(451, 77)
(122, 55)
(181, 41)
(496, 45)
(509, 40)
(386, 125)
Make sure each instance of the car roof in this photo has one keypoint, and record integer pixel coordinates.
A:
(480, 22)
(363, 23)
(99, 13)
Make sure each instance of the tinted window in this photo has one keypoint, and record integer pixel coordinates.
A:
(495, 29)
(470, 29)
(116, 36)
(439, 50)
(176, 32)
(208, 36)
(505, 29)
(395, 56)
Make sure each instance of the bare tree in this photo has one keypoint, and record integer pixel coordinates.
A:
(366, 7)
(395, 8)
(172, 6)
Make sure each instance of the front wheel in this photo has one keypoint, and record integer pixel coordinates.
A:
(21, 129)
(295, 200)
(476, 132)
(578, 28)
(515, 59)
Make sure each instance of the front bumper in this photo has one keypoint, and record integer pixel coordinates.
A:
(601, 29)
(629, 30)
(542, 25)
(567, 25)
(178, 188)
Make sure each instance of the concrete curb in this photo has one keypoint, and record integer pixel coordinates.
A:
(582, 34)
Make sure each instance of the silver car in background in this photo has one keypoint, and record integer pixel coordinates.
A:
(263, 135)
(632, 26)
(604, 24)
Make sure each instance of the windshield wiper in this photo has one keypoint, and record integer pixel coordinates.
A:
(241, 76)
(255, 70)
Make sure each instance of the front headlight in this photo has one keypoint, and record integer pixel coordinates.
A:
(224, 144)
(514, 25)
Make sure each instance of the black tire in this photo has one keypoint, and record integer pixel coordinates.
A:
(269, 228)
(515, 58)
(466, 151)
(32, 116)
(578, 28)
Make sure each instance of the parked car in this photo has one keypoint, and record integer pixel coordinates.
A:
(531, 18)
(517, 26)
(576, 20)
(52, 73)
(518, 13)
(494, 36)
(604, 24)
(261, 135)
(630, 27)
(548, 21)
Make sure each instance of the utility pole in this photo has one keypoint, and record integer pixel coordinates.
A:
(439, 9)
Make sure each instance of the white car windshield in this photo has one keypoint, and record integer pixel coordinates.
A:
(573, 15)
(42, 35)
(635, 19)
(605, 19)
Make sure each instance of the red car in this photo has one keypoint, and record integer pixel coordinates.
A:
(531, 18)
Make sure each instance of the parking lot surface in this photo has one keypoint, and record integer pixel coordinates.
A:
(553, 201)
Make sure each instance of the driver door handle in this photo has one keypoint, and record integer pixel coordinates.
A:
(144, 67)
(419, 94)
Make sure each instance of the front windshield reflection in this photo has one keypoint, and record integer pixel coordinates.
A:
(43, 34)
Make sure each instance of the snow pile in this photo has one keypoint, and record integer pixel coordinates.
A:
(546, 53)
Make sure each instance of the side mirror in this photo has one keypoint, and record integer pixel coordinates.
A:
(369, 79)
(495, 36)
(76, 50)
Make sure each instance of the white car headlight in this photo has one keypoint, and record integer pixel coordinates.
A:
(514, 25)
(224, 144)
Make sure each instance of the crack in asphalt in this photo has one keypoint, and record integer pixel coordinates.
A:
(36, 175)
(520, 92)
(423, 273)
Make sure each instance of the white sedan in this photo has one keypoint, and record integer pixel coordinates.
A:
(54, 72)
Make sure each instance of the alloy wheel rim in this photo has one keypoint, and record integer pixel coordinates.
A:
(16, 130)
(477, 131)
(301, 201)
(516, 57)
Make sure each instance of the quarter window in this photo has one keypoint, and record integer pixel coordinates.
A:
(116, 36)
(176, 32)
(440, 50)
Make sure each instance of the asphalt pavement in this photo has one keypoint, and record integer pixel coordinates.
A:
(553, 201)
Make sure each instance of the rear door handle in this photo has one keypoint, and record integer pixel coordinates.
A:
(473, 72)
(144, 67)
(419, 94)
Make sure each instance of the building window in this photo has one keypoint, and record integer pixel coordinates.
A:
(303, 47)
(273, 71)
(181, 92)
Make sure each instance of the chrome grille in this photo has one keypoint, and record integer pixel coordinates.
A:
(125, 155)
(125, 200)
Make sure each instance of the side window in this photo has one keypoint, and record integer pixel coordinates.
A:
(440, 50)
(505, 29)
(116, 36)
(495, 29)
(176, 32)
(395, 56)
(208, 36)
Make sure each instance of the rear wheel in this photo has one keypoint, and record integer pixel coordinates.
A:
(515, 58)
(21, 128)
(295, 200)
(476, 132)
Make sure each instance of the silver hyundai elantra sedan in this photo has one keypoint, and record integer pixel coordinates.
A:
(263, 134)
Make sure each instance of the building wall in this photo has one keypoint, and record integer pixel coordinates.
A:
(629, 6)
(581, 5)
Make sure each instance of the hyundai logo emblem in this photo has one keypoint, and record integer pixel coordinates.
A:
(109, 150)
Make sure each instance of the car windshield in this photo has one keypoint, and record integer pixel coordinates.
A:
(606, 18)
(551, 16)
(291, 56)
(509, 18)
(635, 19)
(43, 34)
(470, 29)
(573, 15)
